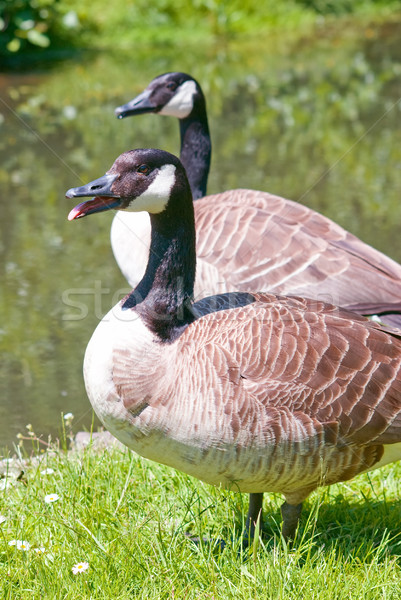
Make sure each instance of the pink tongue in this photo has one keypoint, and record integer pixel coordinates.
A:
(86, 207)
(75, 213)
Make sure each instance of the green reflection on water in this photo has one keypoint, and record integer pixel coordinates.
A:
(316, 122)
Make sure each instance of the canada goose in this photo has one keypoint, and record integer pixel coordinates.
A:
(249, 391)
(249, 240)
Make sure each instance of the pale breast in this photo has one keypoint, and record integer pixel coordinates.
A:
(119, 366)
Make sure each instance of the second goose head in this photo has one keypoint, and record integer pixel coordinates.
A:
(174, 94)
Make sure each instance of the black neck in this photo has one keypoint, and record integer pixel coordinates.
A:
(163, 297)
(196, 148)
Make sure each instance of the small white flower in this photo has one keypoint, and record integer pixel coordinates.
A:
(2, 519)
(23, 545)
(49, 498)
(68, 416)
(80, 567)
(47, 471)
(20, 544)
(40, 550)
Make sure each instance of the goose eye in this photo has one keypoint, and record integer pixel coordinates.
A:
(172, 86)
(143, 169)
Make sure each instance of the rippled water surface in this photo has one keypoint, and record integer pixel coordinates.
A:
(317, 122)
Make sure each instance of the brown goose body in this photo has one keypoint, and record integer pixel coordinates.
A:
(249, 240)
(253, 392)
(281, 395)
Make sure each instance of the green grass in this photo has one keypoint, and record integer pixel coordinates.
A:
(128, 518)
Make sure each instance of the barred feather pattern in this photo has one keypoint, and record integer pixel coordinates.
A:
(257, 241)
(249, 240)
(277, 394)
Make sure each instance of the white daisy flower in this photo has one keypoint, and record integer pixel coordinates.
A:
(47, 471)
(80, 567)
(39, 550)
(2, 519)
(12, 543)
(23, 545)
(49, 498)
(68, 416)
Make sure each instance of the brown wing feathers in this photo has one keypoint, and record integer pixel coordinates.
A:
(322, 362)
(259, 241)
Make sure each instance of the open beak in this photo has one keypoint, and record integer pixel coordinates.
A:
(138, 106)
(104, 199)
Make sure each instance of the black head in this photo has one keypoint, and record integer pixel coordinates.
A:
(173, 94)
(139, 180)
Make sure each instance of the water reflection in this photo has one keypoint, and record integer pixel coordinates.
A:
(317, 122)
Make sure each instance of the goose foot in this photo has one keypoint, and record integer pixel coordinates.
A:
(290, 514)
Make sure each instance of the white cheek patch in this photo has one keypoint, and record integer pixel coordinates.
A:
(155, 198)
(181, 104)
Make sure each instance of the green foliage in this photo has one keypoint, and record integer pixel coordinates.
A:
(341, 7)
(26, 24)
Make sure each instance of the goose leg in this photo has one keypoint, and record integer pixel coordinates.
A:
(254, 513)
(290, 514)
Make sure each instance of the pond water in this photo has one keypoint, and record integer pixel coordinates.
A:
(317, 121)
